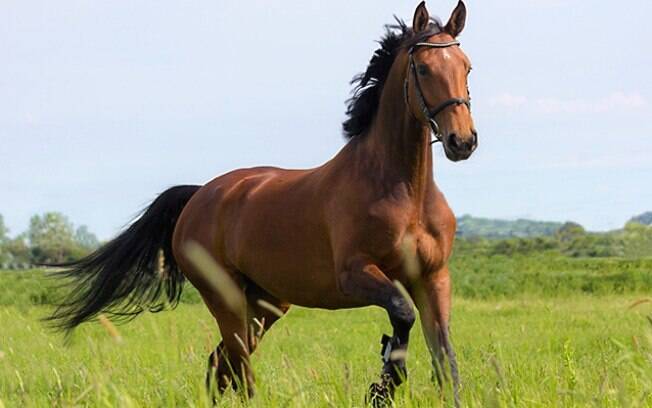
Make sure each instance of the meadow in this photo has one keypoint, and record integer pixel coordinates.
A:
(529, 331)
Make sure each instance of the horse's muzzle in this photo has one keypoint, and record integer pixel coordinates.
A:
(460, 148)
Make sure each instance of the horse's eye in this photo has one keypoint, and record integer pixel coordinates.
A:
(422, 69)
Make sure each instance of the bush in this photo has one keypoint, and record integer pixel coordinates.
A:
(35, 287)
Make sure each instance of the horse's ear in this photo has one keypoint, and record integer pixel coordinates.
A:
(421, 18)
(455, 24)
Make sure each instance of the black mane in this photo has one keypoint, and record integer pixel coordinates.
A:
(362, 106)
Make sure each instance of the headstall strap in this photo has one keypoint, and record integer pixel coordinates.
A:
(428, 113)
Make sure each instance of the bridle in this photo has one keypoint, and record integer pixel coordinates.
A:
(430, 113)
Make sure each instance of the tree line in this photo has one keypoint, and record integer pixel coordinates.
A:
(634, 240)
(50, 238)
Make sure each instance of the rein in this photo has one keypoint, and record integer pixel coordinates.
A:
(430, 113)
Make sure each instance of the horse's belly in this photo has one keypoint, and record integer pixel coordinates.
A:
(298, 279)
(310, 288)
(290, 258)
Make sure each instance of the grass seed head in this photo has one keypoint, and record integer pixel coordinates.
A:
(110, 328)
(215, 274)
(266, 305)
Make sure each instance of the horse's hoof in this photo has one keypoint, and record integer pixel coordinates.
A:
(378, 396)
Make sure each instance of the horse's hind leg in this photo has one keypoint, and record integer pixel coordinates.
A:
(232, 354)
(263, 310)
(224, 295)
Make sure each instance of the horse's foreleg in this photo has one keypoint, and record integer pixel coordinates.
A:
(367, 283)
(432, 295)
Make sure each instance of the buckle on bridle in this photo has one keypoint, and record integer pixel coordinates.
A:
(435, 130)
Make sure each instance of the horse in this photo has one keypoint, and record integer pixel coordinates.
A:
(341, 235)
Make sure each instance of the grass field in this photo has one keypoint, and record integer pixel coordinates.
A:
(572, 351)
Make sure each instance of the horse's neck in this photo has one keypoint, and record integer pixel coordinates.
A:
(399, 141)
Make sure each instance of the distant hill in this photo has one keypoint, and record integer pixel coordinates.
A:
(468, 226)
(645, 218)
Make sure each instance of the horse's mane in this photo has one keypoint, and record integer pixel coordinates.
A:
(368, 86)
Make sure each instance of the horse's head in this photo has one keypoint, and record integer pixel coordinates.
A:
(436, 83)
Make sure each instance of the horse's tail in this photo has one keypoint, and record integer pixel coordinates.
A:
(130, 273)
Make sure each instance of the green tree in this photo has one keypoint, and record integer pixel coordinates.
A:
(4, 254)
(19, 254)
(86, 239)
(645, 218)
(51, 238)
(4, 231)
(569, 231)
(637, 239)
(594, 245)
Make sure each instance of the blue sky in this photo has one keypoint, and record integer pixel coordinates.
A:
(105, 104)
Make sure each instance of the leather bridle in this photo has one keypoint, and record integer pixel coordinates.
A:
(430, 113)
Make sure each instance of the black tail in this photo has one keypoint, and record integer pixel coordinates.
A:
(126, 276)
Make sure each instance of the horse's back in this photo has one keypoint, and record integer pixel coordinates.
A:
(217, 205)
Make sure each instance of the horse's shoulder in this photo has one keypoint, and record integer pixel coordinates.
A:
(394, 207)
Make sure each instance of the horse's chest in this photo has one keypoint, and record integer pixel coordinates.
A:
(415, 251)
(411, 242)
(400, 228)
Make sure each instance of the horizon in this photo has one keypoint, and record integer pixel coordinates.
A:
(458, 217)
(109, 104)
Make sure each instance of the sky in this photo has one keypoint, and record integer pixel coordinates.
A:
(105, 104)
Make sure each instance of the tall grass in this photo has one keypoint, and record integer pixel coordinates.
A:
(585, 351)
(529, 331)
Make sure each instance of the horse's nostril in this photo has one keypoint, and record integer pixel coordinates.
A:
(453, 141)
(474, 138)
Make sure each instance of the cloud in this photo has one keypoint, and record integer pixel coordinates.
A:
(618, 160)
(617, 101)
(507, 100)
(613, 102)
(548, 3)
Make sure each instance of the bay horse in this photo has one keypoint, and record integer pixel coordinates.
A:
(336, 236)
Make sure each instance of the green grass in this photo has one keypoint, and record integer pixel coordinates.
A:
(475, 276)
(530, 331)
(548, 275)
(579, 351)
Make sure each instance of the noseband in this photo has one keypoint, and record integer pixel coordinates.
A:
(430, 113)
